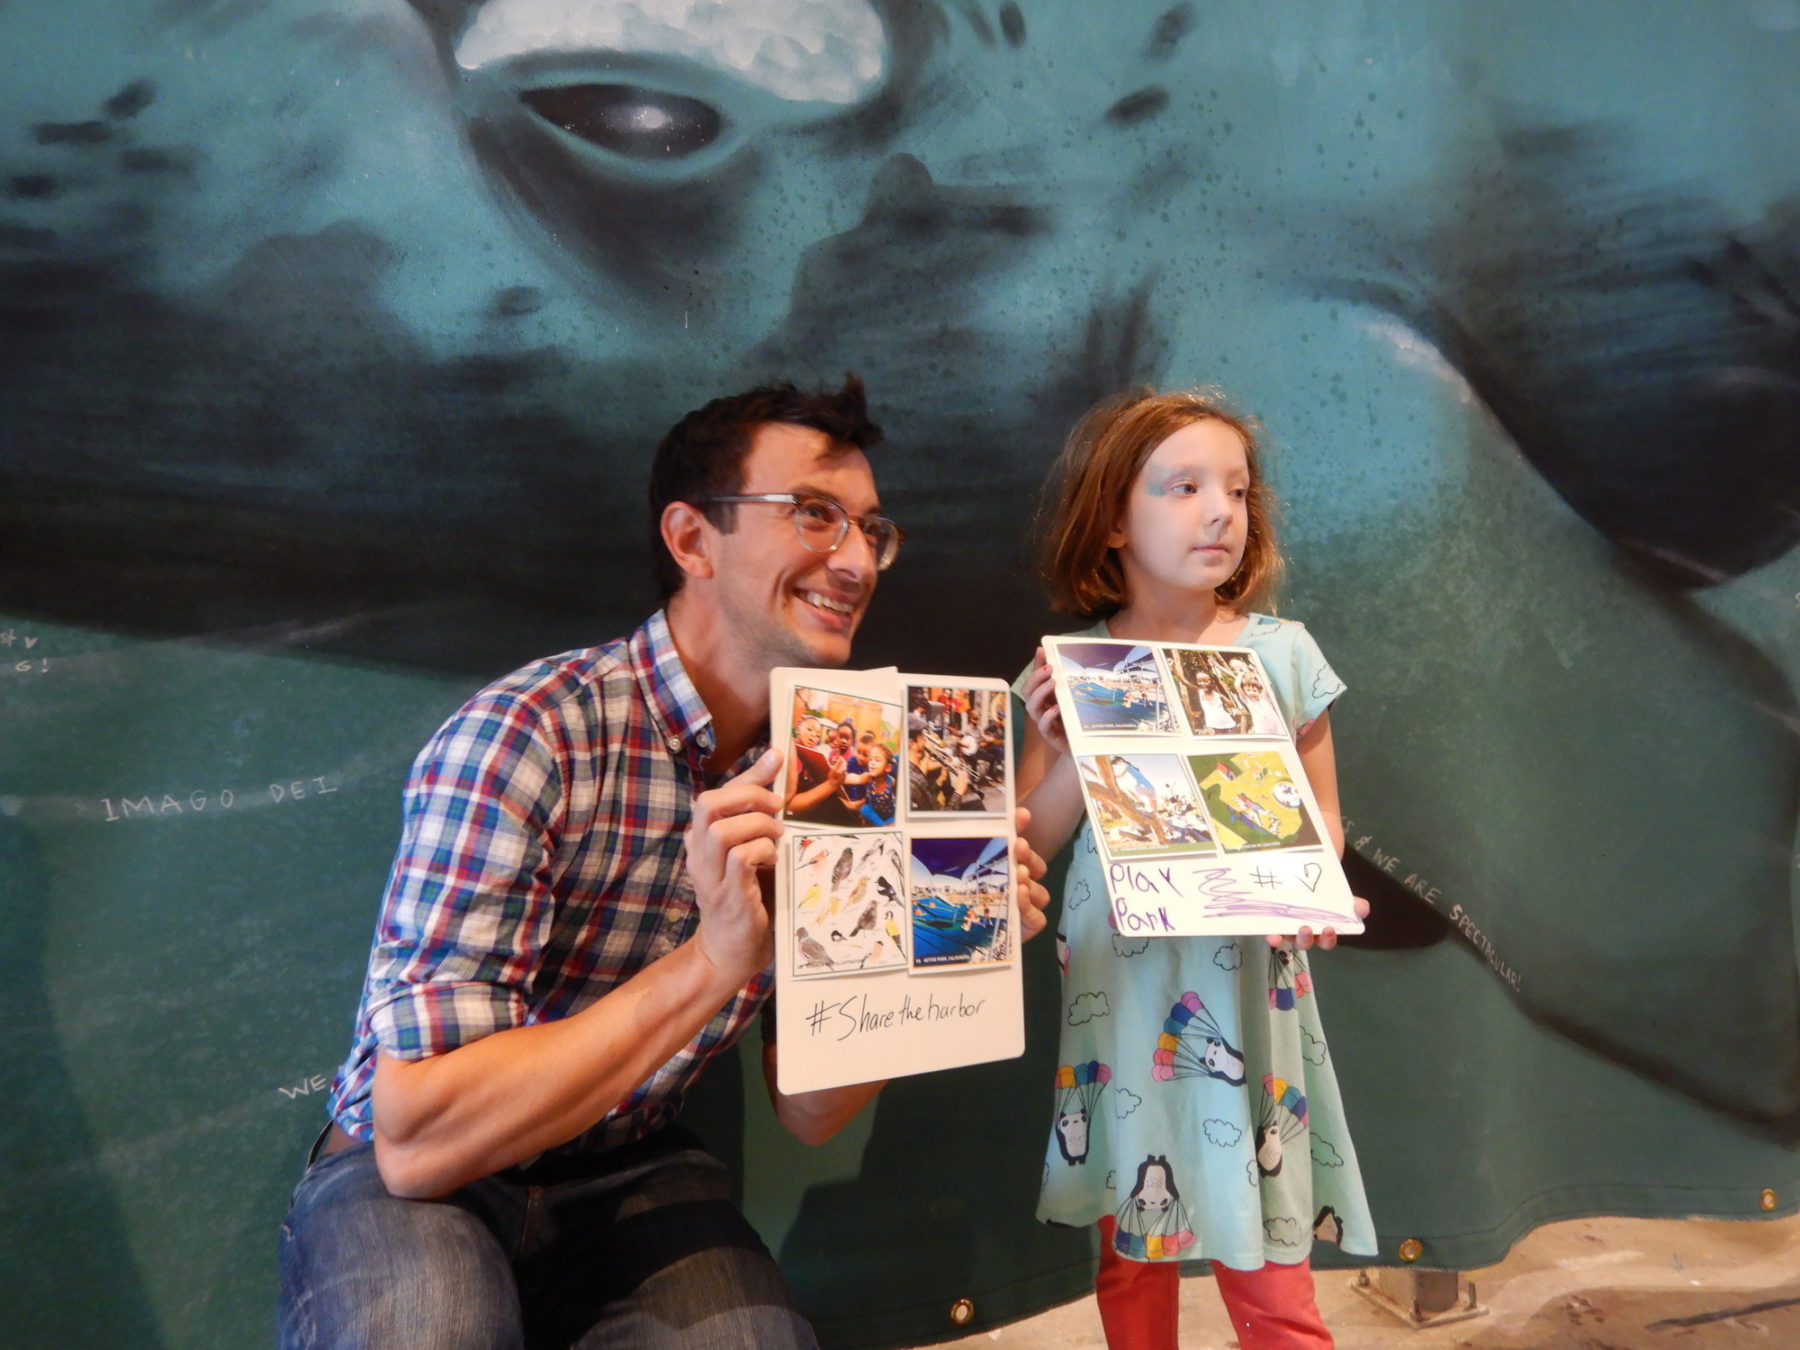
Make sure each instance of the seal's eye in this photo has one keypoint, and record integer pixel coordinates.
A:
(632, 122)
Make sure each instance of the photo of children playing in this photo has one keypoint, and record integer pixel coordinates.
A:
(1223, 693)
(843, 760)
(1144, 804)
(1253, 800)
(961, 914)
(955, 749)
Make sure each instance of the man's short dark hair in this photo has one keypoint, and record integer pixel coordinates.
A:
(703, 454)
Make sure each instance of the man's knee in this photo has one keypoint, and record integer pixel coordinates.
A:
(675, 1263)
(722, 1298)
(361, 1268)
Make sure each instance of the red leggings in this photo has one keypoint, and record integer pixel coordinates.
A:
(1271, 1308)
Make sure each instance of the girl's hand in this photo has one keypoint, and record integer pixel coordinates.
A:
(1040, 704)
(1033, 898)
(1325, 938)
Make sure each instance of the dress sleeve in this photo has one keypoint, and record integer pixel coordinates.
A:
(1018, 684)
(1315, 684)
(1016, 732)
(469, 904)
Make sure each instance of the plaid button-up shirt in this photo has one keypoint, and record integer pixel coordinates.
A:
(541, 866)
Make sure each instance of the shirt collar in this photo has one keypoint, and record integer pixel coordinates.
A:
(682, 720)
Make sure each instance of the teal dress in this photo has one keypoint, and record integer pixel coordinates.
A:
(1195, 1098)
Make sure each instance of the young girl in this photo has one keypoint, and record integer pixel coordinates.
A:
(876, 806)
(1220, 1101)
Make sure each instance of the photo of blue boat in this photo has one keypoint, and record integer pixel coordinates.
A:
(1115, 687)
(960, 900)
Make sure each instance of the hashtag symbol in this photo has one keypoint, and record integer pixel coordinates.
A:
(817, 1019)
(1264, 878)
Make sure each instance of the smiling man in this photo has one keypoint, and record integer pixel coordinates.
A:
(577, 922)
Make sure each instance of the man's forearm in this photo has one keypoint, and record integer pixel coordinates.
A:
(813, 1117)
(449, 1119)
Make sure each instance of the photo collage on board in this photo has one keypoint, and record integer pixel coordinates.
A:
(1163, 801)
(866, 893)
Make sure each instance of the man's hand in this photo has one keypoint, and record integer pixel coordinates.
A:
(1040, 703)
(1033, 898)
(1326, 938)
(730, 847)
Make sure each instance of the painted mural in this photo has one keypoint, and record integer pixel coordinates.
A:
(336, 334)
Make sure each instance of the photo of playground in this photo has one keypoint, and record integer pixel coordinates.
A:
(961, 902)
(849, 903)
(843, 761)
(1115, 687)
(1144, 804)
(955, 750)
(1253, 800)
(1223, 693)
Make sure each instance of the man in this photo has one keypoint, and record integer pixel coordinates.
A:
(576, 922)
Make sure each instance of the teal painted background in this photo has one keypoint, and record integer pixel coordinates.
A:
(330, 361)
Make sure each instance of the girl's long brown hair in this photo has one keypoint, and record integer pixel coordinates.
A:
(1085, 499)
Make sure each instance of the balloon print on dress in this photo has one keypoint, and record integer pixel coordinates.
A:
(1078, 1089)
(1281, 1118)
(1192, 1045)
(1153, 1223)
(1289, 980)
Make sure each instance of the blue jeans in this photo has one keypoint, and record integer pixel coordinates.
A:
(642, 1248)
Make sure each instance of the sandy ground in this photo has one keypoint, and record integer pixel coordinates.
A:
(1587, 1284)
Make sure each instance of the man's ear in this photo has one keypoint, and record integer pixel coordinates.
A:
(688, 536)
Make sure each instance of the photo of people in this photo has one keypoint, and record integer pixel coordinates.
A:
(843, 760)
(1114, 686)
(849, 903)
(955, 750)
(1223, 693)
(961, 905)
(1144, 804)
(1253, 800)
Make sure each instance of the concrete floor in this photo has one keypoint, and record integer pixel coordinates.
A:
(1587, 1284)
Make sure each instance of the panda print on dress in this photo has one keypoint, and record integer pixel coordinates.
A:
(1152, 1224)
(1078, 1090)
(1192, 1044)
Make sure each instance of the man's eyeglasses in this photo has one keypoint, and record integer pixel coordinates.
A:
(823, 524)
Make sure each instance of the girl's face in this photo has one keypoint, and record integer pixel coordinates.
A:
(1187, 515)
(807, 733)
(880, 761)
